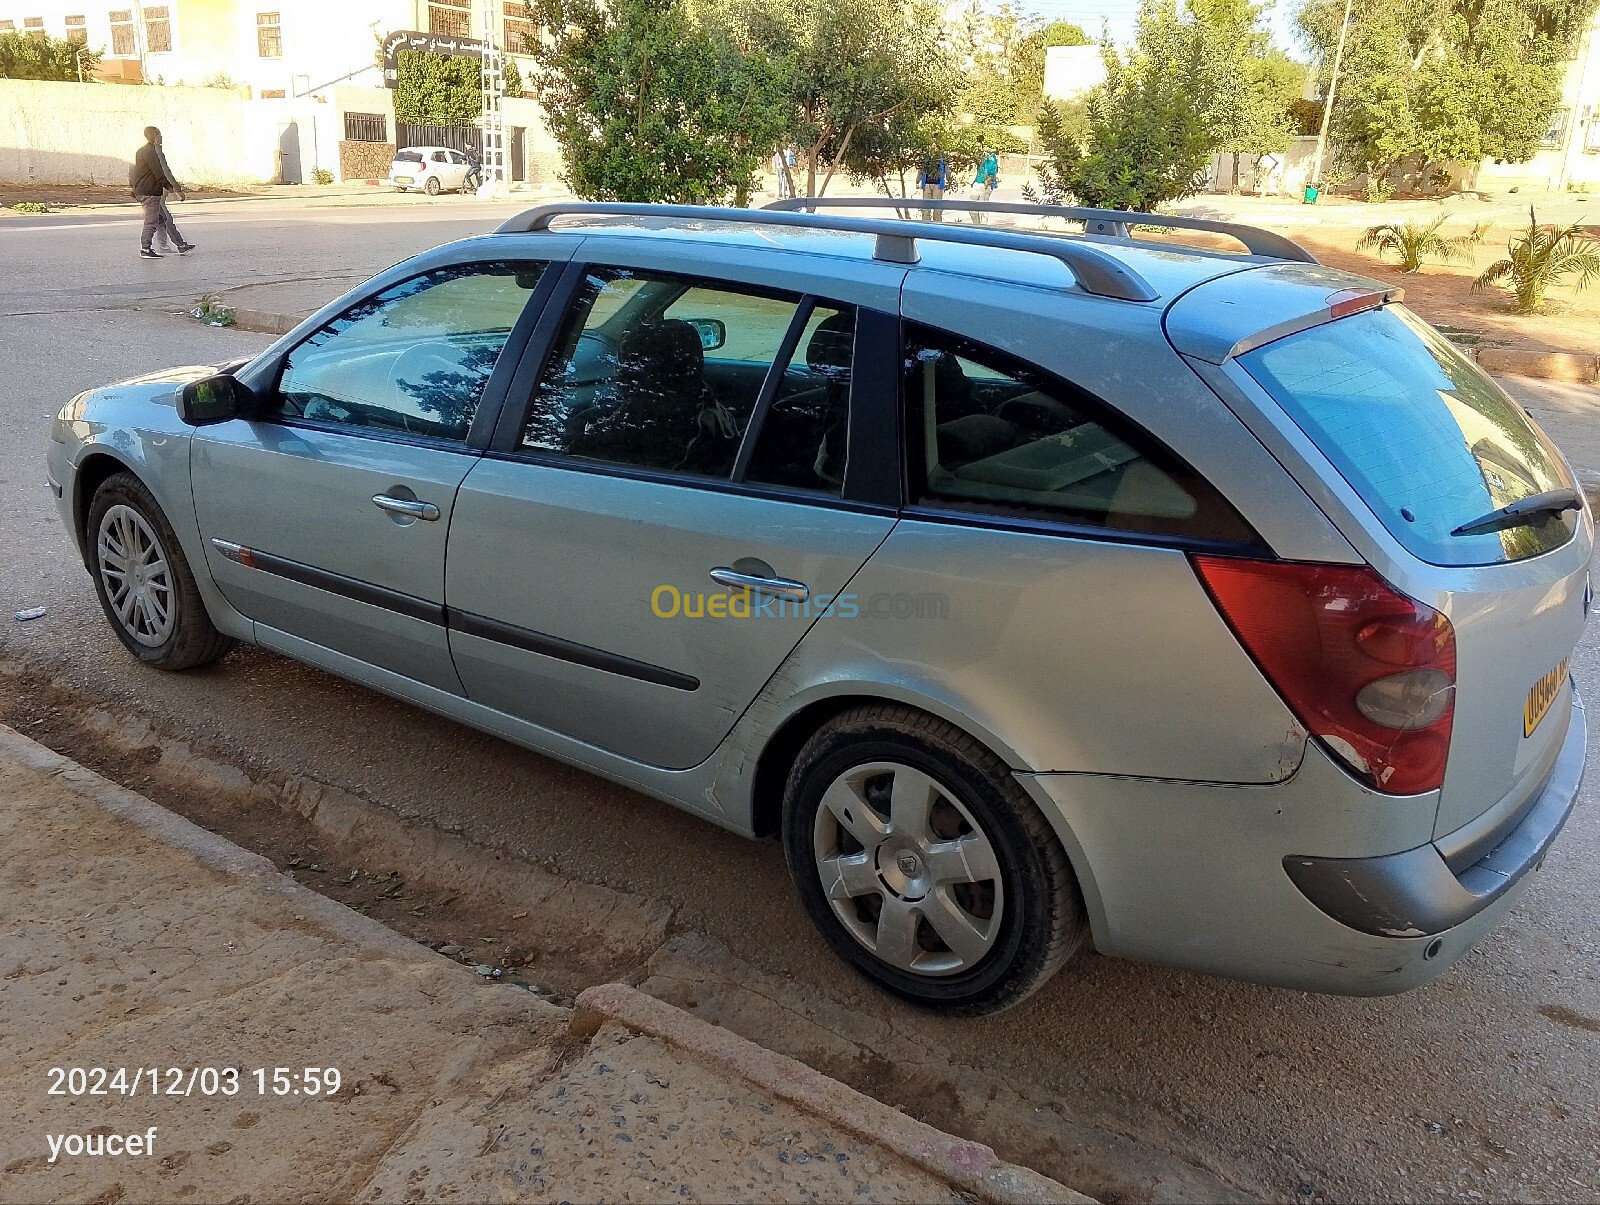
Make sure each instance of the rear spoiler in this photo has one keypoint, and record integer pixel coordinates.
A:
(1233, 314)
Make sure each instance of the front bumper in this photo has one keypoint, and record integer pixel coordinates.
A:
(1415, 893)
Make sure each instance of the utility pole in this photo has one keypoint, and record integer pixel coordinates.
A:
(1327, 104)
(495, 181)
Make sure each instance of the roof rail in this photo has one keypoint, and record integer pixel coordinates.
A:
(1095, 271)
(1116, 223)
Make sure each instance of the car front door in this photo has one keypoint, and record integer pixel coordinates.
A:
(690, 491)
(324, 513)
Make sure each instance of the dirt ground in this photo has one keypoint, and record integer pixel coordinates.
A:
(1442, 293)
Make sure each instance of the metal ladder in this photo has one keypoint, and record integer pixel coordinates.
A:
(493, 121)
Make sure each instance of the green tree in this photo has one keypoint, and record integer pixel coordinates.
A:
(446, 90)
(24, 56)
(1148, 137)
(651, 102)
(1433, 81)
(867, 69)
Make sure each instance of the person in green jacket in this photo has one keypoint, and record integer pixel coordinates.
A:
(985, 182)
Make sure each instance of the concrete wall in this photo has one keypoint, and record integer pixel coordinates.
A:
(88, 133)
(1286, 173)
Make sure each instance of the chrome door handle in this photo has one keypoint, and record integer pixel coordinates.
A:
(411, 509)
(778, 587)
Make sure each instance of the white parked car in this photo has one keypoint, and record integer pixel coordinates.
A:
(433, 169)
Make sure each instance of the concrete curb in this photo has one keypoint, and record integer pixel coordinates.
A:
(264, 322)
(969, 1166)
(1550, 365)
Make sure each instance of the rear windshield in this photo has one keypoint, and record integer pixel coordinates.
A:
(409, 156)
(1427, 440)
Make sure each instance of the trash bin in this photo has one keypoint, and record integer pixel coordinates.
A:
(1313, 191)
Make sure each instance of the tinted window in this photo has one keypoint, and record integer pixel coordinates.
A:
(408, 156)
(991, 433)
(802, 441)
(658, 372)
(1426, 439)
(415, 358)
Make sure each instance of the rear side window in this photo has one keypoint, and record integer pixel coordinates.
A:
(1427, 440)
(991, 433)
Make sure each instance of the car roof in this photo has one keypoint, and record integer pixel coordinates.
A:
(1170, 269)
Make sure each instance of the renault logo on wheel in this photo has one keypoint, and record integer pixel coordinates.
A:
(909, 866)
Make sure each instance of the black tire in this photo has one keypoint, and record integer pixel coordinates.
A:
(432, 187)
(1042, 922)
(193, 639)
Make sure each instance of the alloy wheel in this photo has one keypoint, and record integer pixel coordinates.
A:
(136, 575)
(907, 869)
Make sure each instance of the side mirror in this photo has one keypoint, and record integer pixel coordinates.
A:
(217, 399)
(713, 332)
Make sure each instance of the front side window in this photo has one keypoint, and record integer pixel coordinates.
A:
(413, 360)
(991, 434)
(157, 29)
(663, 373)
(269, 36)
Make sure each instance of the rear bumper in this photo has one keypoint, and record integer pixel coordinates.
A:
(1193, 875)
(1415, 893)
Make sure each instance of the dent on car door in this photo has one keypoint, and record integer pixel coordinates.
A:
(325, 513)
(595, 568)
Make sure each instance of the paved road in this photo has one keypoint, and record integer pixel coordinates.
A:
(1481, 1086)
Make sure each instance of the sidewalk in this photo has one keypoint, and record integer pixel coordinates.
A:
(130, 938)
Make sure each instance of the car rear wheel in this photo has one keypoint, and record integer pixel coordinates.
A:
(144, 582)
(925, 866)
(431, 187)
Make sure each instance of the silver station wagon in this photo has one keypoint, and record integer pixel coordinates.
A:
(1033, 587)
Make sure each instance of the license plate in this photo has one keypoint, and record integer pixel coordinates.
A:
(402, 179)
(1544, 693)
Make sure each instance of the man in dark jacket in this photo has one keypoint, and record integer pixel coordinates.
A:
(151, 180)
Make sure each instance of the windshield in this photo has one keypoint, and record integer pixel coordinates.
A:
(1428, 441)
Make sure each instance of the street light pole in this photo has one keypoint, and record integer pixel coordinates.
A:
(1327, 104)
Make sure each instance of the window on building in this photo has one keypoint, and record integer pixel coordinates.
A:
(77, 29)
(366, 127)
(453, 18)
(1554, 132)
(34, 27)
(273, 94)
(269, 36)
(123, 42)
(520, 32)
(157, 29)
(8, 26)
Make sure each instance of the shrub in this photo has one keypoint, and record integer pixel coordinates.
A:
(1542, 256)
(1413, 242)
(322, 176)
(30, 207)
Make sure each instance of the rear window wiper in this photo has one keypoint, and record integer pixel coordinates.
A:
(1551, 502)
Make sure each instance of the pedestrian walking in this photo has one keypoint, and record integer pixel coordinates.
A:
(985, 182)
(474, 178)
(151, 180)
(933, 180)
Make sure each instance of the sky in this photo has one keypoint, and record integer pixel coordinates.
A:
(1119, 16)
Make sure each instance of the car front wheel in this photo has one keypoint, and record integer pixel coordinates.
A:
(925, 866)
(144, 583)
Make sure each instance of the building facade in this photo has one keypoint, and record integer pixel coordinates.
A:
(278, 49)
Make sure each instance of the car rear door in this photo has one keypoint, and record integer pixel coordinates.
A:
(324, 514)
(1415, 450)
(659, 461)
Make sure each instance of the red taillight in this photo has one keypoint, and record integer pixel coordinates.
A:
(1367, 670)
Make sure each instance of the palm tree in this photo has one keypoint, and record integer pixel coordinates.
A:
(1542, 256)
(1413, 242)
